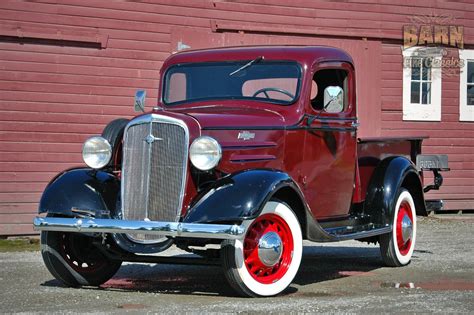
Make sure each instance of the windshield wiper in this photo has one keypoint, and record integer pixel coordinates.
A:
(248, 64)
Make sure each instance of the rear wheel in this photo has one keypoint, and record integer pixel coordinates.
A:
(397, 247)
(74, 260)
(266, 261)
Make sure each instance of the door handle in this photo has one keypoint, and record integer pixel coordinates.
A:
(355, 124)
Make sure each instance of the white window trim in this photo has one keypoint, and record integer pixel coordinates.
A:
(466, 113)
(422, 112)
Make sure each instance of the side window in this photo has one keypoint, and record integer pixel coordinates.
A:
(326, 80)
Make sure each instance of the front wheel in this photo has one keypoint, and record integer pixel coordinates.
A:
(266, 261)
(397, 247)
(73, 259)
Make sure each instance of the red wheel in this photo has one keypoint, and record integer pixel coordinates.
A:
(74, 260)
(79, 253)
(265, 262)
(404, 228)
(268, 248)
(397, 247)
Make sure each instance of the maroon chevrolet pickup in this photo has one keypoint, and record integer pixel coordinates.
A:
(248, 152)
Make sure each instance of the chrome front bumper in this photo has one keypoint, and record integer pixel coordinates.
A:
(173, 229)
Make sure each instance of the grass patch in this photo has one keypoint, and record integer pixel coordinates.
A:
(19, 245)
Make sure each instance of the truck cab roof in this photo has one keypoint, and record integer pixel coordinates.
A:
(305, 55)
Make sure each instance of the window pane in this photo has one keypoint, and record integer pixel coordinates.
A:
(426, 72)
(470, 72)
(415, 93)
(415, 69)
(426, 93)
(204, 81)
(271, 87)
(470, 95)
(177, 90)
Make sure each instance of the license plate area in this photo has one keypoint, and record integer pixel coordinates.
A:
(430, 162)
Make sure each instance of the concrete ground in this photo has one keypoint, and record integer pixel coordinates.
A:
(338, 277)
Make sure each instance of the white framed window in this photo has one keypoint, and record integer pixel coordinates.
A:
(421, 85)
(466, 86)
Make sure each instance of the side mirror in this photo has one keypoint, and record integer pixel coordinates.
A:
(140, 97)
(333, 99)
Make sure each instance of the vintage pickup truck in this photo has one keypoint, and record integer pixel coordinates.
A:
(248, 152)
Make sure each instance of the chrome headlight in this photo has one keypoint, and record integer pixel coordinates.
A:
(96, 152)
(205, 152)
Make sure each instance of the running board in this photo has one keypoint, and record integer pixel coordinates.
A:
(344, 233)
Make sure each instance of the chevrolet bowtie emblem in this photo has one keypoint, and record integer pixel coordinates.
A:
(150, 139)
(245, 135)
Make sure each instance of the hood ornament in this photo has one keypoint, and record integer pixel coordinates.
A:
(150, 139)
(246, 135)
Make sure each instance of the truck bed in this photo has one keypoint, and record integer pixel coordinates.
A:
(372, 150)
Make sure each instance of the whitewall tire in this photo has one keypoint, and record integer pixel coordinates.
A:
(266, 261)
(397, 247)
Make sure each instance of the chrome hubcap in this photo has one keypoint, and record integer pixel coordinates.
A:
(270, 248)
(407, 228)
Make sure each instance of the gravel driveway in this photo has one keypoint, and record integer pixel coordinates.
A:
(337, 277)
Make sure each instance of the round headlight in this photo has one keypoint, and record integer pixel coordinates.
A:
(96, 152)
(205, 152)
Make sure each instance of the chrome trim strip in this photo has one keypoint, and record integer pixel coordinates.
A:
(155, 118)
(173, 229)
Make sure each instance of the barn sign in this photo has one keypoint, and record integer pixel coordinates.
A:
(421, 35)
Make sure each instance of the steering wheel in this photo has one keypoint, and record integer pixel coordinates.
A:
(272, 89)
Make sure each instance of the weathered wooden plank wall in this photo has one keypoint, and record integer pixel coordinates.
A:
(68, 67)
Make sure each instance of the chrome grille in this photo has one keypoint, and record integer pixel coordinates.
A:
(154, 170)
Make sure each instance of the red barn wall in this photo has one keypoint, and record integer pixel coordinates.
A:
(449, 136)
(69, 67)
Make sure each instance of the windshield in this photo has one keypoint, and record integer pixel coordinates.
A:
(269, 81)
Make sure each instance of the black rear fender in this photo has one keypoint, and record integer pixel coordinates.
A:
(391, 174)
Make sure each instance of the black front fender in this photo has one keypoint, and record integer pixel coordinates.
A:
(81, 188)
(391, 174)
(238, 197)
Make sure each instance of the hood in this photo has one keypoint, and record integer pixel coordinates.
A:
(226, 117)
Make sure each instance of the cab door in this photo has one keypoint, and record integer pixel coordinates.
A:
(330, 140)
